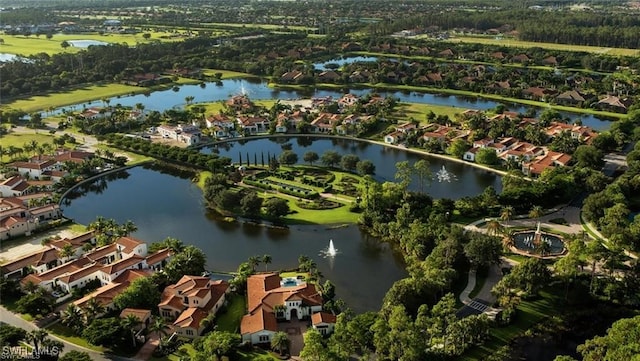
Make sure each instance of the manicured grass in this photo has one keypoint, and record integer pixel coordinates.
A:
(327, 216)
(230, 320)
(293, 274)
(75, 96)
(66, 334)
(418, 111)
(226, 74)
(23, 45)
(256, 355)
(20, 139)
(530, 312)
(210, 108)
(134, 158)
(551, 46)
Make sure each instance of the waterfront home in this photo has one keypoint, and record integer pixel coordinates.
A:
(189, 301)
(184, 133)
(394, 137)
(17, 219)
(270, 298)
(253, 125)
(324, 322)
(105, 294)
(545, 161)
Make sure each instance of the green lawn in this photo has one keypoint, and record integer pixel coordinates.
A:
(418, 111)
(529, 313)
(30, 45)
(256, 355)
(72, 97)
(230, 320)
(551, 46)
(20, 139)
(226, 74)
(66, 334)
(325, 216)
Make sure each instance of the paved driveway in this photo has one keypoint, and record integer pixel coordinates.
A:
(295, 329)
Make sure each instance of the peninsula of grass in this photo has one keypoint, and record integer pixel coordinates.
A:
(301, 213)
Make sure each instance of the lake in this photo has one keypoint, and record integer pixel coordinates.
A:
(86, 43)
(468, 180)
(167, 204)
(257, 89)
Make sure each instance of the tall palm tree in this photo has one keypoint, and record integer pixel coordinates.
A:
(253, 262)
(93, 309)
(280, 341)
(508, 240)
(536, 212)
(72, 317)
(129, 227)
(159, 328)
(507, 213)
(494, 227)
(130, 323)
(36, 337)
(174, 244)
(266, 259)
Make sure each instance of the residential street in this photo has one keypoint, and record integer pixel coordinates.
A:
(14, 320)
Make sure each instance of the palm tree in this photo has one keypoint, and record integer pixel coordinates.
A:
(494, 227)
(544, 248)
(280, 341)
(92, 310)
(508, 240)
(174, 244)
(129, 227)
(253, 262)
(130, 323)
(37, 336)
(159, 328)
(72, 317)
(67, 251)
(506, 214)
(266, 259)
(536, 212)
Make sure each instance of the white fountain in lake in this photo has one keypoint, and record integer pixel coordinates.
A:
(443, 175)
(330, 251)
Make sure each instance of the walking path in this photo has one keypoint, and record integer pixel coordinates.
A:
(15, 320)
(146, 351)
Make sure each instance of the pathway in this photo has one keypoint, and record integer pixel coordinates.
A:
(146, 351)
(15, 320)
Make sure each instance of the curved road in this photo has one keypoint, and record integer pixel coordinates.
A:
(14, 320)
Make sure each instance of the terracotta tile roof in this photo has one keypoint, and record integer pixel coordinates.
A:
(100, 253)
(106, 294)
(128, 243)
(42, 257)
(258, 320)
(76, 241)
(122, 264)
(69, 267)
(191, 317)
(322, 317)
(83, 272)
(33, 165)
(139, 313)
(159, 256)
(258, 285)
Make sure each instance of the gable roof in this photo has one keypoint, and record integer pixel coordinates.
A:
(323, 317)
(258, 320)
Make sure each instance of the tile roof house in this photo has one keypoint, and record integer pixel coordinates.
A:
(615, 104)
(545, 161)
(191, 300)
(270, 298)
(105, 294)
(572, 97)
(324, 322)
(14, 186)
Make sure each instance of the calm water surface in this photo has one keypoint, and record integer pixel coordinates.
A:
(170, 205)
(257, 89)
(467, 180)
